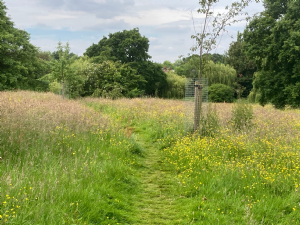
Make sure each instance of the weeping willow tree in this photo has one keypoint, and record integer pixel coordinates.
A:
(175, 86)
(219, 73)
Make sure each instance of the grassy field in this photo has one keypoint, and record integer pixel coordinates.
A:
(98, 161)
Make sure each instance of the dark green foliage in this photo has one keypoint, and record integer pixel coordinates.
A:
(105, 55)
(188, 66)
(276, 8)
(273, 40)
(45, 55)
(245, 68)
(127, 46)
(131, 48)
(220, 93)
(55, 55)
(20, 65)
(112, 80)
(156, 79)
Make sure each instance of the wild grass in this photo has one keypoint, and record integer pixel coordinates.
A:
(62, 163)
(95, 161)
(244, 176)
(157, 117)
(249, 175)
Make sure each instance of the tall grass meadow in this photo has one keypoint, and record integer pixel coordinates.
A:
(79, 162)
(62, 163)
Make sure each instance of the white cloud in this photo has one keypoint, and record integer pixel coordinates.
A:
(152, 38)
(155, 17)
(167, 23)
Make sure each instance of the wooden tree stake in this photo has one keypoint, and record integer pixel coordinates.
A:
(198, 105)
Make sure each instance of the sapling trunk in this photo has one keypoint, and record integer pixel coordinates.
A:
(63, 80)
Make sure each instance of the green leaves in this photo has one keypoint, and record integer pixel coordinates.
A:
(242, 116)
(111, 79)
(273, 41)
(219, 73)
(215, 72)
(156, 79)
(20, 65)
(127, 46)
(175, 87)
(131, 48)
(61, 68)
(244, 67)
(64, 69)
(220, 93)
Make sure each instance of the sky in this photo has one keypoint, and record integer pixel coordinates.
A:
(168, 24)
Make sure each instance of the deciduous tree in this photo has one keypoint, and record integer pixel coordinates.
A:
(156, 79)
(245, 68)
(206, 38)
(112, 79)
(62, 71)
(19, 64)
(272, 39)
(127, 46)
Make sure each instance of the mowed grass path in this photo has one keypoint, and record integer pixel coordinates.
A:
(157, 201)
(128, 161)
(247, 176)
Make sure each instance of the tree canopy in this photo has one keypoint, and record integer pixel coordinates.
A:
(19, 64)
(168, 65)
(215, 57)
(215, 72)
(219, 73)
(131, 48)
(188, 66)
(127, 46)
(154, 76)
(110, 79)
(245, 68)
(175, 87)
(272, 39)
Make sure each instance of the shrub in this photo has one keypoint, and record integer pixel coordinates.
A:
(112, 80)
(210, 125)
(242, 115)
(114, 93)
(55, 87)
(220, 93)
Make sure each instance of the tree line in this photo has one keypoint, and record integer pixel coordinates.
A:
(262, 64)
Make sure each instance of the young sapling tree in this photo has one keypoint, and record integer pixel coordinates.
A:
(213, 25)
(61, 68)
